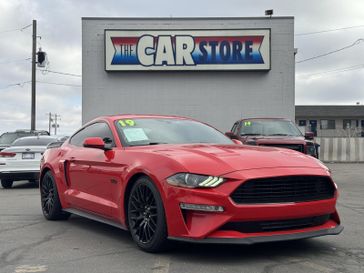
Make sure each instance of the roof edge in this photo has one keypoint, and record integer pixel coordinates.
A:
(330, 105)
(188, 18)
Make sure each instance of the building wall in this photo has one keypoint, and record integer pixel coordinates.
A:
(339, 131)
(216, 97)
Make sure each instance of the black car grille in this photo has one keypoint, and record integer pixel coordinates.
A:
(284, 189)
(277, 225)
(296, 147)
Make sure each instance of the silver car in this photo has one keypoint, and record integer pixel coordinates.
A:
(21, 161)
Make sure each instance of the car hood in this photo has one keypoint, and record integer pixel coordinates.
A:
(223, 159)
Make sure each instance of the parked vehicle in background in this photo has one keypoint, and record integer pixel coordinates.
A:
(58, 143)
(277, 132)
(62, 138)
(21, 161)
(9, 137)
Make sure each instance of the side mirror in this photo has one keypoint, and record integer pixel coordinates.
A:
(95, 142)
(231, 135)
(309, 135)
(236, 141)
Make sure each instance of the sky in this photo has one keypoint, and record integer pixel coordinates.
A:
(337, 78)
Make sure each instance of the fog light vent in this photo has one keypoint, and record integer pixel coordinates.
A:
(200, 207)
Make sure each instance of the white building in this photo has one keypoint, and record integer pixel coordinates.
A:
(331, 120)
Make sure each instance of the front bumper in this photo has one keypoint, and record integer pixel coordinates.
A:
(20, 175)
(210, 227)
(265, 238)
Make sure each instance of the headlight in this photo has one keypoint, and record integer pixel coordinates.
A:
(189, 180)
(311, 149)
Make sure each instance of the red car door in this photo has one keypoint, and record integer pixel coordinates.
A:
(91, 172)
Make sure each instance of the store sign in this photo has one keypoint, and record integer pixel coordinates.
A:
(187, 50)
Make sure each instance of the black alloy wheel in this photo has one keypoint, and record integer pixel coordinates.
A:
(51, 206)
(146, 217)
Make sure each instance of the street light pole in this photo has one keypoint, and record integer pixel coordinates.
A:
(32, 123)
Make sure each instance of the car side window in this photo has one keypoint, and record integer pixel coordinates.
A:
(99, 129)
(235, 127)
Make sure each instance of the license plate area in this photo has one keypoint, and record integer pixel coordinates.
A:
(28, 155)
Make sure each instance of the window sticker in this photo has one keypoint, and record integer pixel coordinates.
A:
(126, 122)
(135, 134)
(247, 123)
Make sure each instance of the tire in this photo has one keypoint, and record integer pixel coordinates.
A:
(51, 206)
(6, 183)
(146, 216)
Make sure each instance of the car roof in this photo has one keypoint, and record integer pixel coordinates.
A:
(112, 118)
(132, 116)
(265, 119)
(37, 137)
(29, 131)
(26, 132)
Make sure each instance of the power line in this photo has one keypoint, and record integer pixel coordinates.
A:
(21, 84)
(328, 30)
(13, 61)
(60, 73)
(16, 29)
(63, 84)
(338, 70)
(332, 52)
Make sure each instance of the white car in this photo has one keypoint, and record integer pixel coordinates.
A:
(21, 161)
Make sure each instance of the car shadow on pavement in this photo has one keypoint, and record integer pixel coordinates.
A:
(214, 253)
(23, 185)
(101, 229)
(229, 254)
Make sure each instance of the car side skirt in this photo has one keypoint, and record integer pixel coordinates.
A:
(263, 239)
(95, 217)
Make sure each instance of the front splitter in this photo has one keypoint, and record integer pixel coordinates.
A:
(263, 239)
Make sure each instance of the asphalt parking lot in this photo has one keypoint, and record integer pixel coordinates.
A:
(29, 243)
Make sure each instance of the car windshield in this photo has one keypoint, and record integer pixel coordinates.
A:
(269, 128)
(8, 138)
(154, 131)
(33, 141)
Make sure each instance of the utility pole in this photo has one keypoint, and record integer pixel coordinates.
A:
(53, 120)
(50, 120)
(56, 117)
(55, 124)
(32, 126)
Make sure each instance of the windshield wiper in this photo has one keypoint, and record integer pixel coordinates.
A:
(156, 143)
(279, 135)
(250, 134)
(146, 144)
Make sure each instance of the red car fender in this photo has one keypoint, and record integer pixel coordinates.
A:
(58, 176)
(129, 179)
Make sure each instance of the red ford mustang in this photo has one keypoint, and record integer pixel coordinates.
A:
(171, 178)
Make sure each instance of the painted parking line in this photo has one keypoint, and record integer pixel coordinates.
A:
(30, 268)
(161, 265)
